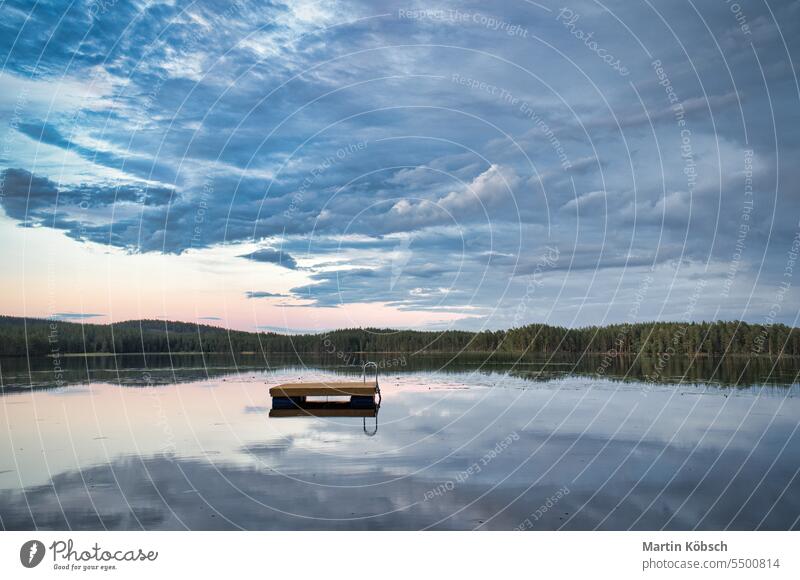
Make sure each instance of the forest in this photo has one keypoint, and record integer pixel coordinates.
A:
(37, 337)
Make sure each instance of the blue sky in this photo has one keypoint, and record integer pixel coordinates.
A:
(470, 165)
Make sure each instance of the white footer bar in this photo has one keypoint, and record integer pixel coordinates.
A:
(408, 555)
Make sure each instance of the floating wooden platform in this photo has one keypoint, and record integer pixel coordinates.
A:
(291, 399)
(332, 389)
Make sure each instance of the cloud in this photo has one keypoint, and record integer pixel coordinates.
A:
(480, 199)
(85, 211)
(140, 166)
(593, 200)
(262, 294)
(74, 315)
(271, 256)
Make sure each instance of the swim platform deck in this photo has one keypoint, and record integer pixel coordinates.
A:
(332, 389)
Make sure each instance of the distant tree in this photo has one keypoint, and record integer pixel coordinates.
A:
(30, 336)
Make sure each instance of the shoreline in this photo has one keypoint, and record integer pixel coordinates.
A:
(408, 353)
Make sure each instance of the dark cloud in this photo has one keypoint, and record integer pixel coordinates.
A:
(271, 256)
(140, 212)
(262, 294)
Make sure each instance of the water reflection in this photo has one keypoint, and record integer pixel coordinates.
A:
(19, 373)
(455, 450)
(330, 399)
(331, 409)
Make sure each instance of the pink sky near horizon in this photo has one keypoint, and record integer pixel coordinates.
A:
(49, 274)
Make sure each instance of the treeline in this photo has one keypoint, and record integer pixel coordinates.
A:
(35, 337)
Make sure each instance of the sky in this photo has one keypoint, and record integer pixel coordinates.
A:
(314, 165)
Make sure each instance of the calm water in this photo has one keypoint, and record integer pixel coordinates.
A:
(187, 442)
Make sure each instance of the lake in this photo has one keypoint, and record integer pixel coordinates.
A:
(467, 442)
